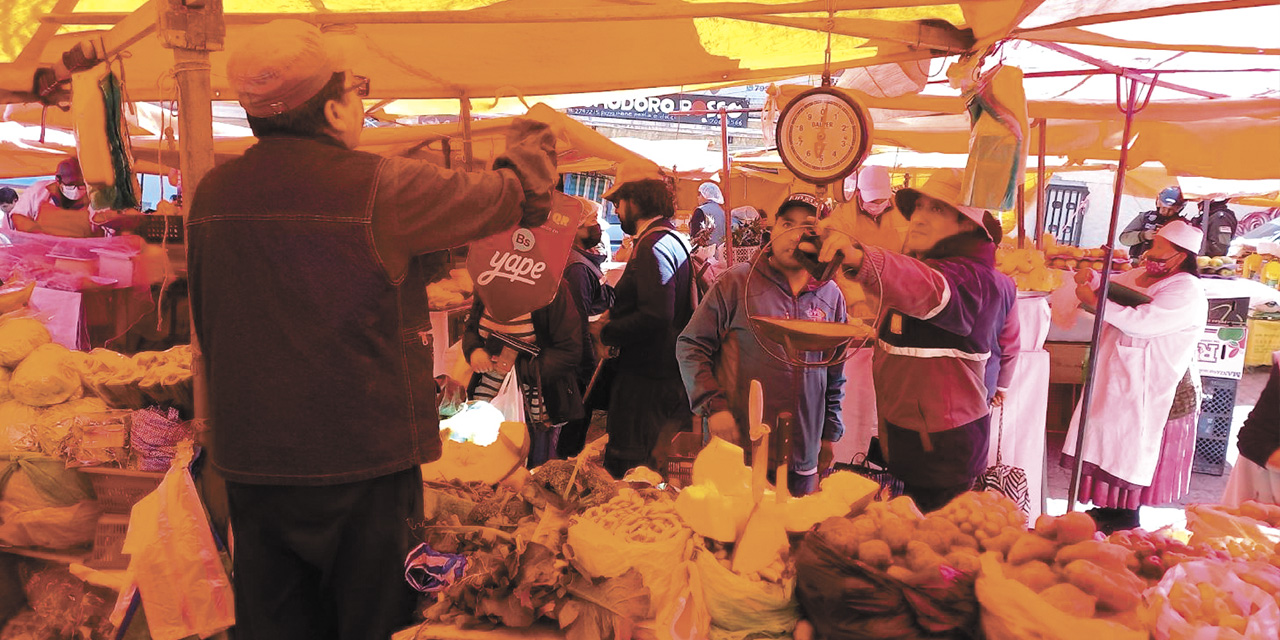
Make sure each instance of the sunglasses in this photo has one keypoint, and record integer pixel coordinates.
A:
(361, 86)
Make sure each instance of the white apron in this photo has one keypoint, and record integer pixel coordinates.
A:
(1143, 353)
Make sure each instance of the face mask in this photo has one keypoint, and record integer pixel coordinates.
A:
(72, 192)
(874, 209)
(1156, 266)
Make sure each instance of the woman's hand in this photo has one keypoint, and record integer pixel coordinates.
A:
(1273, 463)
(1087, 295)
(1084, 276)
(481, 361)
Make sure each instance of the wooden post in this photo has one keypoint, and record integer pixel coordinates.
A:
(1040, 186)
(725, 186)
(193, 29)
(468, 153)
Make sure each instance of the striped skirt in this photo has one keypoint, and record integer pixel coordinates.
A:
(1172, 479)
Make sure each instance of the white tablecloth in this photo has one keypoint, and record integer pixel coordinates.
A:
(1025, 412)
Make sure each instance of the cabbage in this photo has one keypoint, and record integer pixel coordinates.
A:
(47, 377)
(19, 337)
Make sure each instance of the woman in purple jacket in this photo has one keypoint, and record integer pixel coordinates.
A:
(936, 336)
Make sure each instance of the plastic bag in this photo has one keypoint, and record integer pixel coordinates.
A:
(742, 608)
(174, 562)
(47, 377)
(846, 599)
(1167, 624)
(510, 401)
(997, 140)
(51, 527)
(19, 337)
(1012, 611)
(599, 553)
(1208, 523)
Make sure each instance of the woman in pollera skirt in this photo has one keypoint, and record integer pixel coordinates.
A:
(1141, 437)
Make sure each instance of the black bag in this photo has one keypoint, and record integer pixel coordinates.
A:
(872, 465)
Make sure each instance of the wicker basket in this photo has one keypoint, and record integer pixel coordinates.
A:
(108, 544)
(119, 489)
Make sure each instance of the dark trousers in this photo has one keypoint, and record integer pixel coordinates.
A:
(573, 436)
(320, 563)
(932, 478)
(644, 415)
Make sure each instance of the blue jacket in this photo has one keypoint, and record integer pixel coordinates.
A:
(720, 355)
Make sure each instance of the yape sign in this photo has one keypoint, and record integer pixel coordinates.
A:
(663, 109)
(1220, 352)
(518, 271)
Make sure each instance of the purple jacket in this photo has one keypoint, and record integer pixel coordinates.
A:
(942, 322)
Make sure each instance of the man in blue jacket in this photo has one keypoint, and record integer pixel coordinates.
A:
(719, 355)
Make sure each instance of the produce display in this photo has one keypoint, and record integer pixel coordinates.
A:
(1028, 268)
(1223, 266)
(567, 547)
(1073, 258)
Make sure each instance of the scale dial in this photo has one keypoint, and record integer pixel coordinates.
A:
(823, 135)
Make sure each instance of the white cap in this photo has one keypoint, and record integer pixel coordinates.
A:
(874, 184)
(711, 192)
(1183, 235)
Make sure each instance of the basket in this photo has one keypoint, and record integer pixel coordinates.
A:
(1264, 339)
(108, 544)
(119, 489)
(684, 448)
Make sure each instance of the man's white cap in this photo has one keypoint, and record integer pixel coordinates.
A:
(874, 184)
(1183, 235)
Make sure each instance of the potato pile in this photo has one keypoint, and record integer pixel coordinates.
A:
(1088, 578)
(896, 538)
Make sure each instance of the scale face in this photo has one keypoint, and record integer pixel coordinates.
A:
(823, 135)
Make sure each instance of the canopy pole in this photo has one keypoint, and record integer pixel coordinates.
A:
(468, 153)
(1041, 123)
(1022, 213)
(1130, 110)
(724, 183)
(193, 31)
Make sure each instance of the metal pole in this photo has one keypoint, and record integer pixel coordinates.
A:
(1022, 212)
(1040, 186)
(1101, 312)
(724, 182)
(467, 151)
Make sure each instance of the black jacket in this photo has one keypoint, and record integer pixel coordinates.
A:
(654, 303)
(591, 297)
(558, 334)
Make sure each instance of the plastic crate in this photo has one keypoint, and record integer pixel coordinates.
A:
(1217, 410)
(119, 489)
(1211, 456)
(108, 543)
(684, 448)
(1263, 340)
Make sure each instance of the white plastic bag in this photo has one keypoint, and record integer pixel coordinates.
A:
(1167, 624)
(510, 400)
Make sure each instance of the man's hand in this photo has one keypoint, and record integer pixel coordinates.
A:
(481, 361)
(1149, 234)
(826, 456)
(1273, 463)
(835, 242)
(998, 399)
(595, 329)
(722, 425)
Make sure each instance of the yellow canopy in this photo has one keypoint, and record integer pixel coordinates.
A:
(484, 48)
